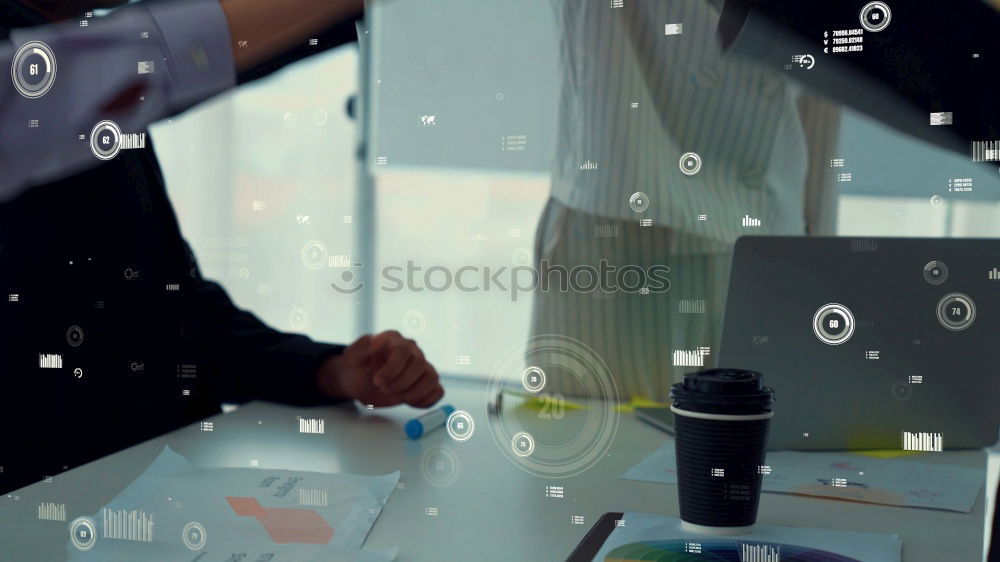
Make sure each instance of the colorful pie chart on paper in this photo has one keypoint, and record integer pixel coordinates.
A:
(717, 551)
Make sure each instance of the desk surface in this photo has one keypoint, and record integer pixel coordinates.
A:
(492, 510)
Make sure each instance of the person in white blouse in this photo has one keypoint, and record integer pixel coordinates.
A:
(668, 151)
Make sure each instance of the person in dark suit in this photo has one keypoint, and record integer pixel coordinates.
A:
(86, 257)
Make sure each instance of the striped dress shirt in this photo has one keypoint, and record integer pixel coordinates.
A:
(643, 84)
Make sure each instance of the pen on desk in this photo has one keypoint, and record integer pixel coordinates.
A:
(428, 422)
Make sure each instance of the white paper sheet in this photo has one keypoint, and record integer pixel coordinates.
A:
(864, 479)
(647, 536)
(290, 515)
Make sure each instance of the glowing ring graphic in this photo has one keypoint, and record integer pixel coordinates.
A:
(116, 145)
(460, 434)
(74, 528)
(826, 337)
(527, 376)
(48, 57)
(868, 8)
(565, 441)
(695, 167)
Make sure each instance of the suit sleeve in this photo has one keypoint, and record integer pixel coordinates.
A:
(143, 62)
(249, 359)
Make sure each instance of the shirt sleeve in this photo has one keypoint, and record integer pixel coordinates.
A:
(198, 49)
(141, 63)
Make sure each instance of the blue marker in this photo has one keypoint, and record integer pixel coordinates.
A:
(428, 422)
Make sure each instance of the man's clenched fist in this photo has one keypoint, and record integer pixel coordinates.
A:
(383, 370)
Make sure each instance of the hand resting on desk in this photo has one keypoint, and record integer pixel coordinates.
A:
(382, 370)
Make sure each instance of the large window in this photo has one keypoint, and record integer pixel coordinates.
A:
(265, 185)
(263, 181)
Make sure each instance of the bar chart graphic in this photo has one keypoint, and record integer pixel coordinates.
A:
(690, 357)
(311, 425)
(922, 441)
(129, 525)
(339, 260)
(50, 361)
(985, 151)
(759, 553)
(691, 306)
(51, 511)
(751, 222)
(131, 141)
(312, 497)
(606, 231)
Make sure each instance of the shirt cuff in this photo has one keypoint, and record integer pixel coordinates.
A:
(198, 46)
(302, 360)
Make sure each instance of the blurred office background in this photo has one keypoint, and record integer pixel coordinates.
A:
(258, 174)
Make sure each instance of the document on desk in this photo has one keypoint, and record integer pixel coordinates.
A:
(175, 511)
(123, 551)
(845, 476)
(647, 536)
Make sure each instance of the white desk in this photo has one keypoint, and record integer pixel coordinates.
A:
(491, 511)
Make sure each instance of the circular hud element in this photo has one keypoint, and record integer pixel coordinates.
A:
(194, 535)
(935, 272)
(523, 444)
(901, 391)
(956, 311)
(314, 254)
(83, 533)
(460, 425)
(106, 140)
(533, 379)
(414, 323)
(74, 336)
(875, 16)
(639, 201)
(33, 69)
(833, 324)
(439, 466)
(298, 318)
(547, 437)
(690, 163)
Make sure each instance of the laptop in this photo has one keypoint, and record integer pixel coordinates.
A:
(870, 343)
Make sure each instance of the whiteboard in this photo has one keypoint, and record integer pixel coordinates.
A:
(486, 71)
